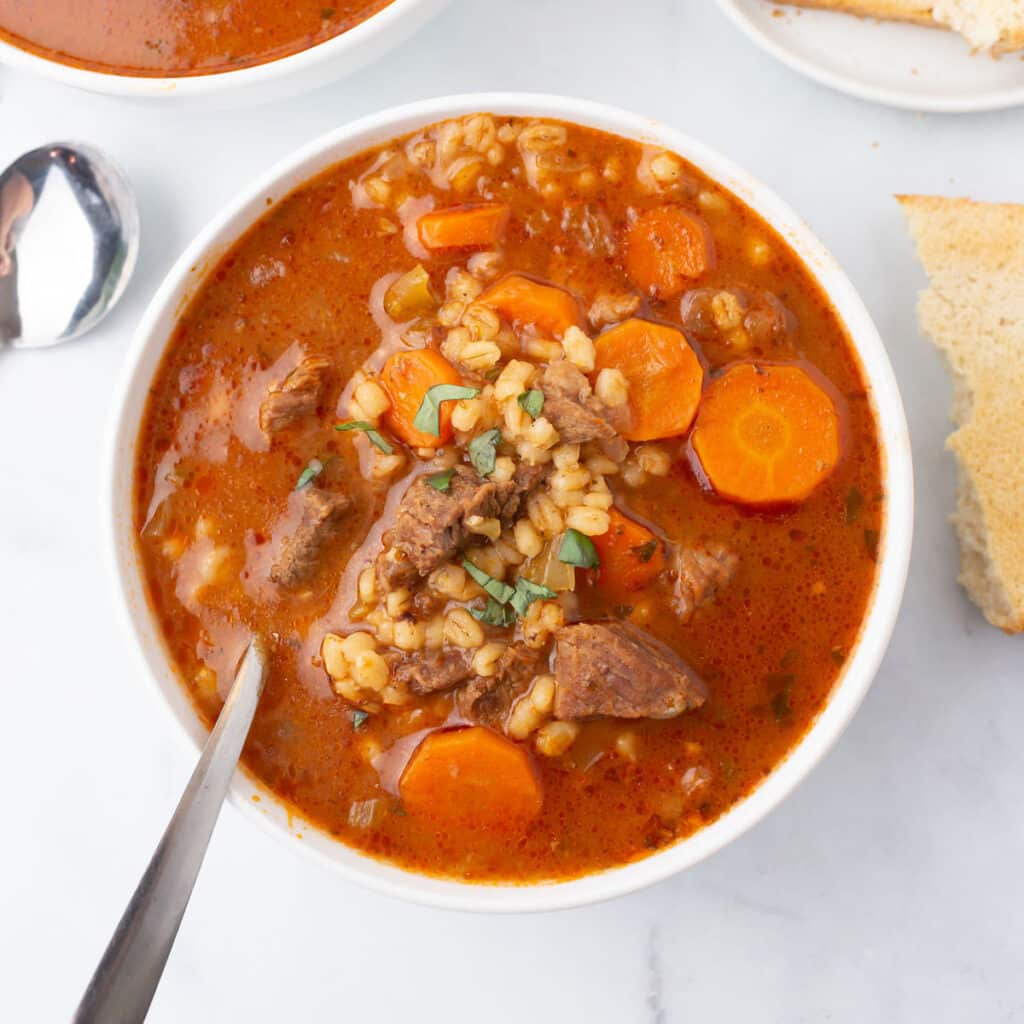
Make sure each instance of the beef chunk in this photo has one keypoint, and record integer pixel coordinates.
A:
(296, 397)
(488, 700)
(321, 517)
(430, 525)
(426, 672)
(619, 670)
(575, 412)
(698, 574)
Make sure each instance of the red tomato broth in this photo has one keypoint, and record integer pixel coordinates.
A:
(770, 646)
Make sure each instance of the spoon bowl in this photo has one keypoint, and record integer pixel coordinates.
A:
(69, 241)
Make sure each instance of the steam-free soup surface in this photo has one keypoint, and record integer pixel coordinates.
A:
(550, 474)
(175, 37)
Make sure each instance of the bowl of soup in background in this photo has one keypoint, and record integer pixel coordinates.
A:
(294, 66)
(893, 544)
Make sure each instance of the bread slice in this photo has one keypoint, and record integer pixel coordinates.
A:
(974, 311)
(996, 25)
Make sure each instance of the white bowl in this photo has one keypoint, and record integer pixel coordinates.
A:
(288, 76)
(894, 548)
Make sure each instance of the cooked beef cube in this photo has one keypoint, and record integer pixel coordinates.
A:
(619, 670)
(430, 526)
(301, 553)
(296, 397)
(487, 700)
(426, 672)
(575, 412)
(698, 574)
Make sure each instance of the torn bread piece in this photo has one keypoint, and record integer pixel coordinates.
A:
(974, 311)
(996, 25)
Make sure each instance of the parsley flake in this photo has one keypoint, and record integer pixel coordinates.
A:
(483, 451)
(578, 549)
(428, 417)
(314, 468)
(501, 592)
(373, 435)
(442, 481)
(531, 402)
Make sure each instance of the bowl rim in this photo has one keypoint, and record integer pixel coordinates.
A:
(389, 20)
(149, 343)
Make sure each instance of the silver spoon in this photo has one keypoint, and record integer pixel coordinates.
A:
(69, 239)
(122, 987)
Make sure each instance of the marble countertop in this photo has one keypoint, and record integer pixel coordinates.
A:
(886, 888)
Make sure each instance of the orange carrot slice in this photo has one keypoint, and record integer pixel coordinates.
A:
(665, 377)
(517, 298)
(766, 435)
(666, 248)
(406, 377)
(471, 777)
(472, 226)
(631, 556)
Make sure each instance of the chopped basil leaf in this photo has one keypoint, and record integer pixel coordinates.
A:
(483, 451)
(428, 418)
(532, 402)
(501, 592)
(309, 474)
(372, 433)
(442, 481)
(645, 552)
(527, 592)
(359, 719)
(578, 549)
(494, 614)
(854, 500)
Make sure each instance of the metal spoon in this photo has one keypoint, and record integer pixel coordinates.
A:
(69, 239)
(122, 987)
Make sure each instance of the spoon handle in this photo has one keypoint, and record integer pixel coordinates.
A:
(122, 987)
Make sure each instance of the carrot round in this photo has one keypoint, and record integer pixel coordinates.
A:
(631, 556)
(471, 777)
(665, 377)
(766, 435)
(517, 298)
(406, 377)
(470, 226)
(667, 247)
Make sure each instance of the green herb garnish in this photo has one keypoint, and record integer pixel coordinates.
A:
(854, 501)
(483, 451)
(442, 481)
(532, 402)
(359, 719)
(314, 468)
(526, 592)
(372, 433)
(428, 417)
(645, 552)
(501, 592)
(578, 549)
(494, 614)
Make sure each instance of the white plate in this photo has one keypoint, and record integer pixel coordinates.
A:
(909, 66)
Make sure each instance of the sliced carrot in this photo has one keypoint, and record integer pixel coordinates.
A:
(667, 247)
(517, 298)
(665, 377)
(766, 435)
(406, 377)
(471, 777)
(471, 226)
(631, 556)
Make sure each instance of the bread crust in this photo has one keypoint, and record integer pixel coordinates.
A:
(918, 12)
(974, 312)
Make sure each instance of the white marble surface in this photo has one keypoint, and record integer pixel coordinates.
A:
(887, 888)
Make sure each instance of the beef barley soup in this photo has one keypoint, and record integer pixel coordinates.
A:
(550, 474)
(157, 38)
